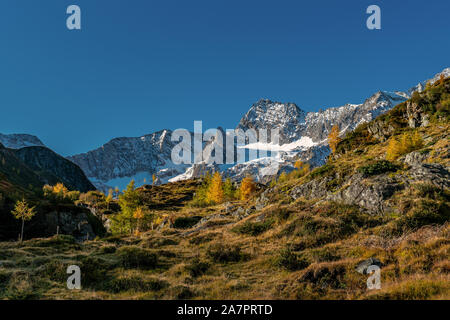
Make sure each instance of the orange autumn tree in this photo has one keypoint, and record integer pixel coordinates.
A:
(403, 144)
(215, 192)
(248, 187)
(139, 216)
(333, 138)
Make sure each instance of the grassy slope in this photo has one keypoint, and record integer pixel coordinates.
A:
(291, 249)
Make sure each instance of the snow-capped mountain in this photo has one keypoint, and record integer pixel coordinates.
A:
(122, 159)
(266, 114)
(303, 135)
(17, 141)
(421, 86)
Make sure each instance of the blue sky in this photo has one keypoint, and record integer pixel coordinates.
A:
(140, 66)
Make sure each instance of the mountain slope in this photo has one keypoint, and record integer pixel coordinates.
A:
(32, 167)
(307, 237)
(52, 168)
(15, 174)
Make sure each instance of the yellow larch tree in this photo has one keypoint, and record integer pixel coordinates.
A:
(215, 192)
(333, 138)
(248, 187)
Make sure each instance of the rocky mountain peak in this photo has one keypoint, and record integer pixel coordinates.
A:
(267, 114)
(271, 113)
(17, 141)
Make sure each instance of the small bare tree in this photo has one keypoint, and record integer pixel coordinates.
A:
(24, 212)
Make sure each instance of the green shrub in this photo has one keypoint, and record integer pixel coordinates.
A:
(186, 222)
(59, 241)
(159, 242)
(378, 167)
(93, 271)
(134, 283)
(289, 260)
(197, 268)
(428, 190)
(135, 257)
(55, 270)
(426, 212)
(107, 249)
(224, 253)
(182, 293)
(253, 228)
(203, 238)
(322, 171)
(114, 239)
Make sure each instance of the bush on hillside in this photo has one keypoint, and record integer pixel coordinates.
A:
(378, 167)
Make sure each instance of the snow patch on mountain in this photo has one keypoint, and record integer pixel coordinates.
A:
(302, 143)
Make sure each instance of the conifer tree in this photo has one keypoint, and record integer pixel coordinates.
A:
(109, 198)
(248, 187)
(333, 138)
(129, 201)
(283, 177)
(215, 192)
(139, 216)
(228, 189)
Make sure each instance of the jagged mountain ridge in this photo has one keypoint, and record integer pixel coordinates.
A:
(126, 157)
(303, 135)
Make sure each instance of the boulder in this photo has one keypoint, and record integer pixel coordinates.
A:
(415, 115)
(364, 265)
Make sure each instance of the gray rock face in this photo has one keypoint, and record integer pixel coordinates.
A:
(71, 223)
(17, 141)
(295, 123)
(380, 130)
(50, 220)
(368, 193)
(122, 157)
(414, 158)
(435, 174)
(364, 265)
(317, 188)
(416, 117)
(127, 157)
(371, 193)
(266, 114)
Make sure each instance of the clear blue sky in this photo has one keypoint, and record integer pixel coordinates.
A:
(138, 66)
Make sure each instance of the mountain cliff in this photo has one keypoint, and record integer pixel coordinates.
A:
(123, 159)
